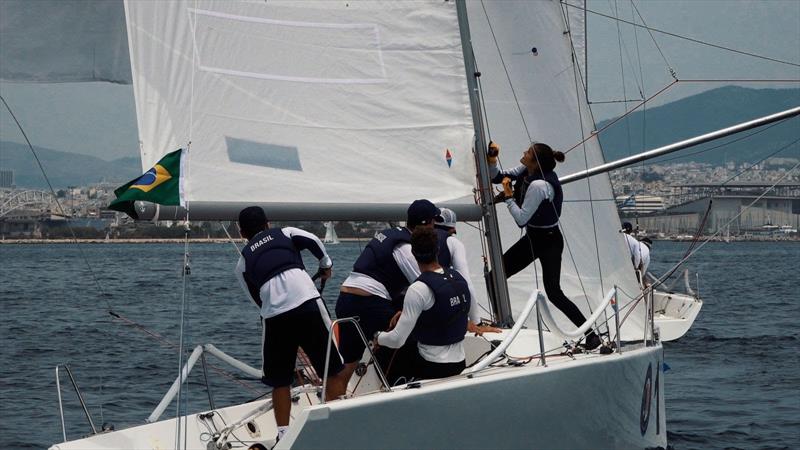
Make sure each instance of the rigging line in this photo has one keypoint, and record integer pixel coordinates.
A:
(484, 112)
(505, 68)
(605, 102)
(702, 226)
(624, 93)
(594, 135)
(644, 109)
(760, 161)
(578, 79)
(103, 294)
(577, 74)
(623, 47)
(184, 276)
(659, 161)
(719, 230)
(740, 80)
(690, 39)
(658, 47)
(230, 238)
(185, 269)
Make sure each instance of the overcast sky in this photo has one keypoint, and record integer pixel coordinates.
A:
(98, 118)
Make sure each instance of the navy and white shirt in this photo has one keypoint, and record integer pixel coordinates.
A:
(419, 298)
(290, 288)
(402, 256)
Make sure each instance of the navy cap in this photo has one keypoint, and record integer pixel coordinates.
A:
(627, 227)
(422, 212)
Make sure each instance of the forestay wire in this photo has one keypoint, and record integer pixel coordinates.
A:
(115, 315)
(103, 293)
(186, 268)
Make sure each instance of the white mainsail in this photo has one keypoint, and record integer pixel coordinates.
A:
(366, 102)
(313, 101)
(553, 108)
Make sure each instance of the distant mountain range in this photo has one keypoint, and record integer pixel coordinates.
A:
(703, 113)
(64, 169)
(642, 130)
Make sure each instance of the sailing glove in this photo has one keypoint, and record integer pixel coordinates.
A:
(507, 189)
(492, 152)
(506, 193)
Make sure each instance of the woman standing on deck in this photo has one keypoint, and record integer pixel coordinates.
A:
(535, 204)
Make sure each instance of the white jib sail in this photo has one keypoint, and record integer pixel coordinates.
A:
(555, 112)
(313, 101)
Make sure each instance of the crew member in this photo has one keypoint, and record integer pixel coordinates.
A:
(436, 310)
(453, 255)
(638, 251)
(271, 272)
(380, 276)
(644, 250)
(536, 206)
(633, 244)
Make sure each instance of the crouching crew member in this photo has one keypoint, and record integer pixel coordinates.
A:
(380, 275)
(271, 272)
(436, 311)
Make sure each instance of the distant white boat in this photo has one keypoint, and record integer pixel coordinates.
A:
(330, 234)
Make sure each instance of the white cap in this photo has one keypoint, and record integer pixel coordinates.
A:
(448, 218)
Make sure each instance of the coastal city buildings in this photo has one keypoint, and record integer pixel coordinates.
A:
(746, 201)
(663, 200)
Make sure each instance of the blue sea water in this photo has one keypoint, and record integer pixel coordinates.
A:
(733, 381)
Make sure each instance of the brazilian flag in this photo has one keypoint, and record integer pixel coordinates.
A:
(161, 185)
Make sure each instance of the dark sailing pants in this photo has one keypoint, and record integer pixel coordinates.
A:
(547, 245)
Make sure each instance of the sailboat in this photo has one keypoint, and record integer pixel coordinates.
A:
(374, 104)
(330, 234)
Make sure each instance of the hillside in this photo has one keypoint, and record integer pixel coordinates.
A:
(685, 118)
(64, 169)
(703, 113)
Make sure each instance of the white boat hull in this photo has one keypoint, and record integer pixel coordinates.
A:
(593, 401)
(675, 314)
